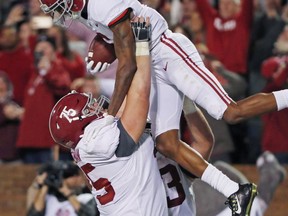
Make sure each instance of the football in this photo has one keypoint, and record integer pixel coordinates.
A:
(100, 51)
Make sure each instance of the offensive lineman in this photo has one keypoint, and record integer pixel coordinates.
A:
(177, 69)
(116, 156)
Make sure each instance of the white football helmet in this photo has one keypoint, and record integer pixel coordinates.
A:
(62, 10)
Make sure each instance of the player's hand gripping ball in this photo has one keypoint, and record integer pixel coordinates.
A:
(100, 55)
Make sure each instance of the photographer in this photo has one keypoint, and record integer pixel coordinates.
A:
(58, 190)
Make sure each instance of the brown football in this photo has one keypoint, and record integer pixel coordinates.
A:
(101, 51)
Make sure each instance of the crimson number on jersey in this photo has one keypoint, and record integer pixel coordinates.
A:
(176, 182)
(100, 184)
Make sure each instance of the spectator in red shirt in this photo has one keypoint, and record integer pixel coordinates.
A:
(228, 31)
(15, 61)
(48, 82)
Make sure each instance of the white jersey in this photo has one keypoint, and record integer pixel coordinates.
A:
(178, 188)
(64, 208)
(104, 13)
(122, 185)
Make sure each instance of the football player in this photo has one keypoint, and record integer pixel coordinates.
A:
(116, 156)
(177, 69)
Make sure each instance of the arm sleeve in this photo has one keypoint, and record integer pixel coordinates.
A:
(126, 144)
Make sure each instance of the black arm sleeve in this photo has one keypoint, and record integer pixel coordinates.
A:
(126, 144)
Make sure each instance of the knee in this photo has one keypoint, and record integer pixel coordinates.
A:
(232, 115)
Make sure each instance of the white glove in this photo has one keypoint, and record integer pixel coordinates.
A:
(98, 125)
(100, 67)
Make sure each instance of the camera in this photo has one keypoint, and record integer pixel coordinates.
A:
(57, 171)
(37, 57)
(54, 172)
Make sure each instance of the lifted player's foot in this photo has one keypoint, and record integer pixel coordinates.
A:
(241, 201)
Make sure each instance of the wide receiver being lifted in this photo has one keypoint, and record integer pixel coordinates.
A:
(177, 69)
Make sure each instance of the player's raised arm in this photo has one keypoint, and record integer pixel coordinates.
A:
(124, 45)
(134, 115)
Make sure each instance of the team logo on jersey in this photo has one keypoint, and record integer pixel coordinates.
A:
(224, 26)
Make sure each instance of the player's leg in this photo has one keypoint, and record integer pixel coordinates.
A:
(174, 70)
(187, 71)
(165, 110)
(165, 117)
(168, 143)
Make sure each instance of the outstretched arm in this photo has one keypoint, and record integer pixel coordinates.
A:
(134, 115)
(124, 45)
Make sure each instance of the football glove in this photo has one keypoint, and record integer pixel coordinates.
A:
(100, 67)
(141, 31)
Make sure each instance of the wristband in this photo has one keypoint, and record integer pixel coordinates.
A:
(142, 49)
(281, 98)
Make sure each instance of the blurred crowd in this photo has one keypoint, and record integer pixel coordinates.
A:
(244, 43)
